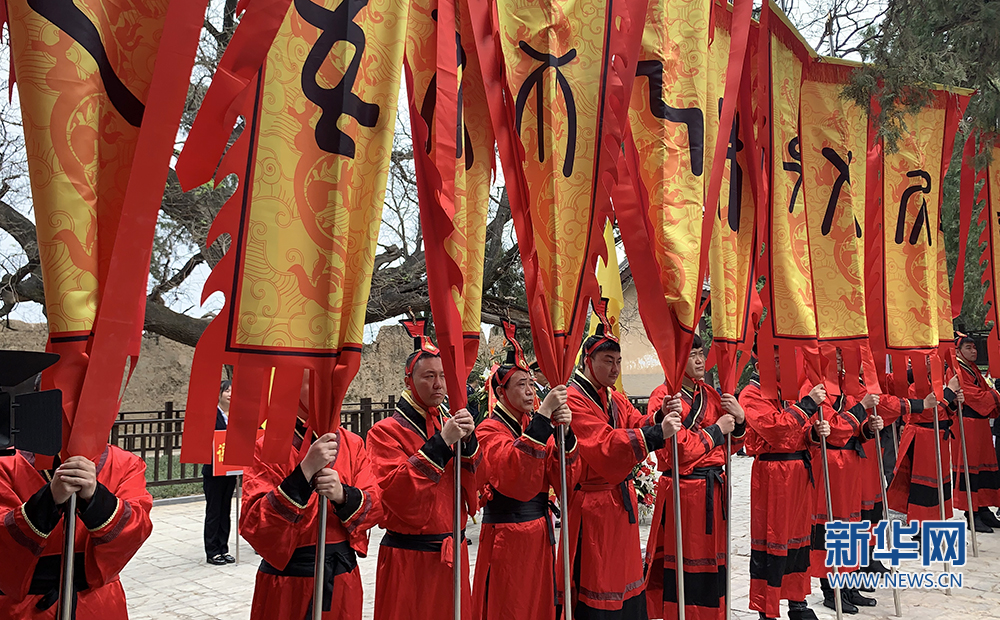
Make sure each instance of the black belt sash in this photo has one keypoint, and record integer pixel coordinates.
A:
(802, 455)
(852, 444)
(627, 498)
(340, 558)
(429, 543)
(944, 425)
(712, 476)
(503, 509)
(45, 580)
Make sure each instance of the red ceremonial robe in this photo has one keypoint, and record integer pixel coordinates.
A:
(516, 562)
(890, 409)
(779, 437)
(603, 525)
(278, 519)
(982, 404)
(701, 454)
(415, 470)
(848, 430)
(914, 483)
(110, 528)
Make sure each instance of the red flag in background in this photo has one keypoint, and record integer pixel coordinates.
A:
(102, 86)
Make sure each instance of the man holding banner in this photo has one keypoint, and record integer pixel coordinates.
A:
(981, 404)
(910, 492)
(850, 426)
(706, 419)
(414, 464)
(779, 437)
(279, 519)
(516, 564)
(613, 436)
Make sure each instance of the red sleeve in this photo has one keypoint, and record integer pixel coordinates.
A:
(274, 504)
(362, 508)
(516, 465)
(891, 408)
(781, 429)
(980, 397)
(21, 540)
(612, 452)
(572, 461)
(117, 518)
(407, 478)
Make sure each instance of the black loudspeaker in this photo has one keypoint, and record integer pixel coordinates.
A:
(29, 420)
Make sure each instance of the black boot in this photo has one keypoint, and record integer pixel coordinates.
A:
(874, 566)
(856, 598)
(763, 616)
(986, 516)
(976, 522)
(828, 601)
(798, 610)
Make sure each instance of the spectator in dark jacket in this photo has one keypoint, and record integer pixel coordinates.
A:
(219, 494)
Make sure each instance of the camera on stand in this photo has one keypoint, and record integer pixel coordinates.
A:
(30, 420)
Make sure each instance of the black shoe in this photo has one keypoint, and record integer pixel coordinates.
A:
(798, 610)
(763, 616)
(977, 523)
(218, 560)
(874, 566)
(846, 606)
(228, 558)
(986, 516)
(856, 598)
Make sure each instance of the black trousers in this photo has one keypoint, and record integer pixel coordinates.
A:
(218, 508)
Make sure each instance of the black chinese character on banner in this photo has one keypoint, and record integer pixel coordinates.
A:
(735, 175)
(843, 176)
(534, 82)
(70, 19)
(794, 166)
(923, 219)
(337, 25)
(430, 101)
(692, 118)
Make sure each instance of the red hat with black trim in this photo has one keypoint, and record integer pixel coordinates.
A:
(515, 356)
(417, 328)
(605, 329)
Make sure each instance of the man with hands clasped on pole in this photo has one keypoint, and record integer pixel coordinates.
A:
(613, 437)
(279, 519)
(780, 436)
(414, 459)
(707, 418)
(112, 522)
(516, 564)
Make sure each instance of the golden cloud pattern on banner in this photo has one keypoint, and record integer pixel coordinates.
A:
(911, 186)
(834, 144)
(730, 258)
(794, 315)
(667, 116)
(309, 236)
(80, 140)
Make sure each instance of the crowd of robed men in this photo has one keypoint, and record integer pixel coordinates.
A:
(401, 478)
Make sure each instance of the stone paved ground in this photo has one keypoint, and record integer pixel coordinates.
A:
(169, 579)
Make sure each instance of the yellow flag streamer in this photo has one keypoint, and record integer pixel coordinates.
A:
(610, 281)
(667, 118)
